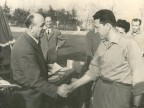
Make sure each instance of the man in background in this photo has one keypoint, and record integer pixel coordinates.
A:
(92, 43)
(137, 33)
(122, 26)
(51, 41)
(136, 27)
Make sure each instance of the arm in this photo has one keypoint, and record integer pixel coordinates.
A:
(61, 40)
(136, 62)
(83, 80)
(91, 74)
(33, 75)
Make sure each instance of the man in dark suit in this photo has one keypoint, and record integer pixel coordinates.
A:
(28, 66)
(51, 41)
(92, 43)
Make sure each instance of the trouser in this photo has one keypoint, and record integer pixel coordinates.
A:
(111, 95)
(26, 99)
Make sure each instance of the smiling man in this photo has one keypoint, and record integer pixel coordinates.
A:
(51, 41)
(117, 67)
(137, 33)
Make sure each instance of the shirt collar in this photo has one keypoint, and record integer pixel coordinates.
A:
(48, 30)
(33, 38)
(115, 39)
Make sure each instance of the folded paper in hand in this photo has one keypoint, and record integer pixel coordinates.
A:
(56, 68)
(10, 85)
(4, 83)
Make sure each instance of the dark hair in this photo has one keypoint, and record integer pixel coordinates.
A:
(105, 16)
(123, 24)
(29, 20)
(136, 19)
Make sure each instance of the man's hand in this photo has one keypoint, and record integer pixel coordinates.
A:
(74, 79)
(4, 82)
(63, 90)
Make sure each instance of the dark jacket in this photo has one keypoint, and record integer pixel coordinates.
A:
(92, 41)
(29, 70)
(48, 44)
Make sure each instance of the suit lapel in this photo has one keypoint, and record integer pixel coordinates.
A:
(51, 33)
(33, 43)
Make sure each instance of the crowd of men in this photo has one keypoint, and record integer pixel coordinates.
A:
(114, 63)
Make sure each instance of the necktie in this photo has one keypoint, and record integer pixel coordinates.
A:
(48, 31)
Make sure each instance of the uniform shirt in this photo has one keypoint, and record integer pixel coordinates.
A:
(118, 60)
(139, 38)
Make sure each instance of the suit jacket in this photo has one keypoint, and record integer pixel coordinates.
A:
(29, 70)
(92, 41)
(48, 44)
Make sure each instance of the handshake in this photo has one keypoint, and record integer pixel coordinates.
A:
(65, 89)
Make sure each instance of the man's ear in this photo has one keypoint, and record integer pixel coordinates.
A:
(108, 26)
(31, 28)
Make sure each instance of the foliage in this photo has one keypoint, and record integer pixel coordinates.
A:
(61, 18)
(66, 19)
(6, 10)
(20, 15)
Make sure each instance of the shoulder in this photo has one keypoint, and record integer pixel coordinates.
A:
(90, 32)
(129, 43)
(56, 31)
(21, 41)
(21, 45)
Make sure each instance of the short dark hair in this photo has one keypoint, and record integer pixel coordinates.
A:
(29, 20)
(105, 16)
(136, 19)
(123, 24)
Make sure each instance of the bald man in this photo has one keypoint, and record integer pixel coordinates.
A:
(28, 67)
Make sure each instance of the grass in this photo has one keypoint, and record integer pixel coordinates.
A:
(73, 49)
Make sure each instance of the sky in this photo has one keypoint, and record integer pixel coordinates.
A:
(124, 9)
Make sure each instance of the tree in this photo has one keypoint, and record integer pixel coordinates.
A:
(41, 11)
(6, 10)
(65, 18)
(20, 15)
(74, 13)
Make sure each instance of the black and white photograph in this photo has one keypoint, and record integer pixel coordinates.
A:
(71, 53)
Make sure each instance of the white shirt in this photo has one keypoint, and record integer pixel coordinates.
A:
(48, 30)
